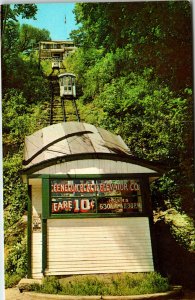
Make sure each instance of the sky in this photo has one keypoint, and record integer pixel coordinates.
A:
(51, 16)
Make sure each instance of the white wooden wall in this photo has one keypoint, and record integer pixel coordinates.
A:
(95, 166)
(110, 245)
(36, 239)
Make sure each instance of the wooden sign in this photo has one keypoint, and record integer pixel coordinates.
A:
(95, 196)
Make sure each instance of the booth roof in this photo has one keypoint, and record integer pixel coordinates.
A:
(70, 138)
(75, 140)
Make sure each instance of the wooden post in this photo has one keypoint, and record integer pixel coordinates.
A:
(29, 232)
(45, 215)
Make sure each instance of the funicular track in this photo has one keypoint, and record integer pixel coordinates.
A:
(57, 113)
(61, 110)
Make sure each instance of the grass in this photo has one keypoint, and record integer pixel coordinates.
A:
(109, 284)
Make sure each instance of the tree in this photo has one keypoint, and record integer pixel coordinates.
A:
(140, 84)
(30, 36)
(11, 12)
(148, 115)
(17, 40)
(160, 34)
(10, 36)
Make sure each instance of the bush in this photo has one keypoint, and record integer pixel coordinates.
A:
(115, 284)
(16, 263)
(181, 227)
(51, 285)
(11, 280)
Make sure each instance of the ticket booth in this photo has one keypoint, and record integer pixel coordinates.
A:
(89, 203)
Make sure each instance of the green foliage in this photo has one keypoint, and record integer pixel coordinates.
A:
(155, 40)
(26, 78)
(11, 12)
(26, 11)
(166, 192)
(115, 285)
(10, 27)
(15, 192)
(16, 263)
(146, 114)
(30, 36)
(138, 85)
(46, 67)
(51, 285)
(17, 260)
(181, 226)
(20, 118)
(18, 71)
(11, 280)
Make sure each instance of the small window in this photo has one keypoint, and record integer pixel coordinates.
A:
(56, 46)
(56, 55)
(65, 80)
(45, 46)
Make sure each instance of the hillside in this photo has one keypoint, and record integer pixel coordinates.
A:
(130, 82)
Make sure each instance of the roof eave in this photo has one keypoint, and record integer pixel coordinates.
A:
(155, 166)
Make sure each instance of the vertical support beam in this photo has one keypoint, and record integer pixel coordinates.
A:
(39, 55)
(154, 244)
(75, 106)
(146, 199)
(63, 110)
(148, 210)
(51, 104)
(45, 215)
(29, 232)
(44, 245)
(45, 197)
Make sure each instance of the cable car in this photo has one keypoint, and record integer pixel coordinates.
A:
(67, 85)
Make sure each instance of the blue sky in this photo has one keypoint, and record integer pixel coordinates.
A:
(51, 16)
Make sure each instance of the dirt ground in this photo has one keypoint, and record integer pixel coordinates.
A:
(14, 294)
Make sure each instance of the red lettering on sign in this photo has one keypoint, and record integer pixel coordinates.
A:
(91, 188)
(76, 205)
(85, 205)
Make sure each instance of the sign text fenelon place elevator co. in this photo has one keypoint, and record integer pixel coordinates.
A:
(95, 196)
